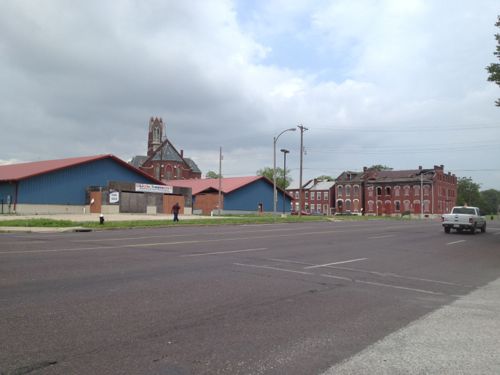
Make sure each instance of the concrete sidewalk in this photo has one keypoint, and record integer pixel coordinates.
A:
(461, 338)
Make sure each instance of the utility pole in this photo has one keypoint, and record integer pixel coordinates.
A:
(220, 179)
(302, 130)
(421, 194)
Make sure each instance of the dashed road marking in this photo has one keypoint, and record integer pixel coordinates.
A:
(384, 236)
(224, 252)
(454, 242)
(331, 264)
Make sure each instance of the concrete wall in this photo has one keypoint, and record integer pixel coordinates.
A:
(34, 209)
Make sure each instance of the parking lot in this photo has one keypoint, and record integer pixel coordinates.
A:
(302, 298)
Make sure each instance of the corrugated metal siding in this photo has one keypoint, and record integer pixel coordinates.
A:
(68, 186)
(248, 197)
(7, 189)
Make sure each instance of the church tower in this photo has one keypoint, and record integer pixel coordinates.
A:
(156, 134)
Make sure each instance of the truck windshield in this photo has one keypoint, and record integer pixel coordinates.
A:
(464, 210)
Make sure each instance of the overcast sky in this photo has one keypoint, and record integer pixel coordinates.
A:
(399, 83)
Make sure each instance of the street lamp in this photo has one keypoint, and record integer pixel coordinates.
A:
(275, 193)
(284, 151)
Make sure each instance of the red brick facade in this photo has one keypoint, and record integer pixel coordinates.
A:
(421, 191)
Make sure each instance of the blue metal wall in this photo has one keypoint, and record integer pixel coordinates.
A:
(6, 190)
(67, 186)
(248, 198)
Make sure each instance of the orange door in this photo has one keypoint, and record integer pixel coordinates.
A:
(95, 202)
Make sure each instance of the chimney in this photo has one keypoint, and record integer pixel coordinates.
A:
(182, 153)
(419, 167)
(365, 169)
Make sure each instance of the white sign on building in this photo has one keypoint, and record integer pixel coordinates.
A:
(114, 197)
(150, 188)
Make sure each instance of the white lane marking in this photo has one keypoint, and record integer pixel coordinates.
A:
(399, 287)
(454, 242)
(331, 264)
(224, 252)
(383, 274)
(273, 268)
(343, 278)
(384, 236)
(336, 277)
(300, 234)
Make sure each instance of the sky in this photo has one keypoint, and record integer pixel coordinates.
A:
(397, 83)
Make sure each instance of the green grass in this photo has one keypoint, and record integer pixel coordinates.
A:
(155, 223)
(243, 219)
(45, 223)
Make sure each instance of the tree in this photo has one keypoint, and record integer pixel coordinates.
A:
(380, 167)
(280, 181)
(494, 68)
(212, 174)
(490, 200)
(468, 192)
(325, 178)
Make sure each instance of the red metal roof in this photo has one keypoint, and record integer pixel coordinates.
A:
(15, 172)
(228, 184)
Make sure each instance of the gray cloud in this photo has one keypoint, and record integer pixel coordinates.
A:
(82, 80)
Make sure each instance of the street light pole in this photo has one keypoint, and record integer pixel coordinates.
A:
(275, 193)
(284, 151)
(302, 130)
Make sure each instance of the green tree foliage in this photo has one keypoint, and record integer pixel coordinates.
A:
(212, 174)
(494, 68)
(490, 200)
(325, 178)
(380, 167)
(280, 181)
(468, 192)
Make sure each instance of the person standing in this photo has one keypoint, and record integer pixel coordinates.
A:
(175, 210)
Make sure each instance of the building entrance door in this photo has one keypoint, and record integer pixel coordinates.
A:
(95, 202)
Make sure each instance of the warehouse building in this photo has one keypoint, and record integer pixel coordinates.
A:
(92, 184)
(239, 195)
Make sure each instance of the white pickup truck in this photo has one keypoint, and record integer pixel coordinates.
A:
(464, 217)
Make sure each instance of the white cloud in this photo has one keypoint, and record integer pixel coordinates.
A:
(85, 79)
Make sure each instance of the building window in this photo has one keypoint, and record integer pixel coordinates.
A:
(313, 195)
(325, 195)
(307, 194)
(388, 190)
(370, 191)
(397, 206)
(407, 191)
(319, 195)
(356, 190)
(379, 190)
(370, 206)
(348, 190)
(312, 207)
(339, 191)
(426, 189)
(416, 190)
(156, 134)
(296, 195)
(348, 205)
(397, 191)
(406, 205)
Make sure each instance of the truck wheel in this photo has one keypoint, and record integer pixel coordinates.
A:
(446, 229)
(483, 228)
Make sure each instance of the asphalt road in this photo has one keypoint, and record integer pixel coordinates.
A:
(308, 298)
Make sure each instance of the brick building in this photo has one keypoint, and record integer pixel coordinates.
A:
(427, 191)
(318, 197)
(349, 192)
(163, 161)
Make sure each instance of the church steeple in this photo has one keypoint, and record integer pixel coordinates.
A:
(156, 134)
